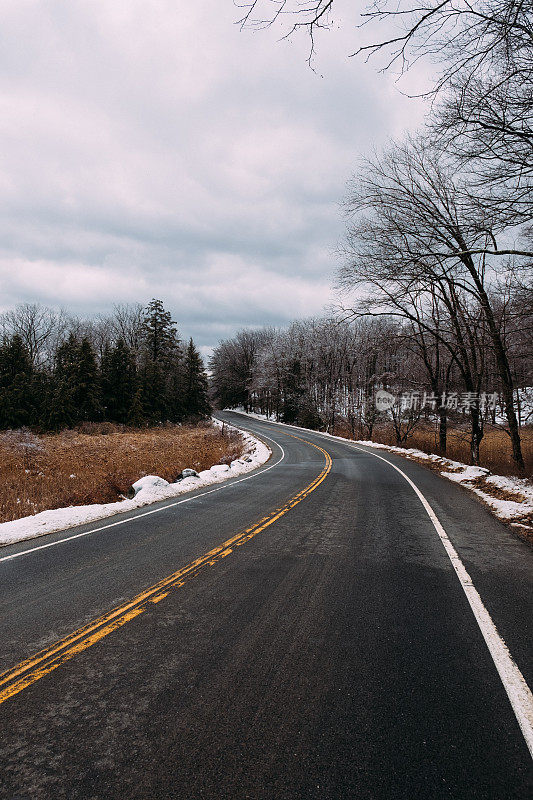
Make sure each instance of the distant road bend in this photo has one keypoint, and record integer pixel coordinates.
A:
(338, 625)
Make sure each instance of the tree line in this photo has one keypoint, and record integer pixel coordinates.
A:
(439, 225)
(131, 368)
(324, 373)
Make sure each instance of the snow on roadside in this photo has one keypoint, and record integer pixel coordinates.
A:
(519, 512)
(516, 509)
(256, 453)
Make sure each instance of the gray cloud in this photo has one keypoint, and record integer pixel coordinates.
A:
(151, 151)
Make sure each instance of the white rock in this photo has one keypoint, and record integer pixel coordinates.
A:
(148, 482)
(189, 473)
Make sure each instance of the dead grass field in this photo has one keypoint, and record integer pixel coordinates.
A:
(495, 449)
(99, 464)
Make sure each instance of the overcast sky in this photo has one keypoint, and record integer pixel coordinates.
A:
(151, 149)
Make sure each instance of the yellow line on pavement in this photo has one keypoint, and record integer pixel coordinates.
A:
(42, 663)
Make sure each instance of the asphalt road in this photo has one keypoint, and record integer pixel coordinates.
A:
(298, 634)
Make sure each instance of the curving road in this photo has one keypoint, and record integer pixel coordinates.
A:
(305, 632)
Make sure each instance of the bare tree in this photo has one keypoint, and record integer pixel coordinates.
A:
(39, 327)
(232, 365)
(127, 322)
(483, 82)
(464, 36)
(411, 224)
(311, 17)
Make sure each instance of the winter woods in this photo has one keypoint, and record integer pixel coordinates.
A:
(58, 371)
(325, 373)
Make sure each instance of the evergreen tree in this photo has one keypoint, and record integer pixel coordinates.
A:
(136, 413)
(65, 358)
(118, 381)
(161, 338)
(87, 391)
(17, 390)
(77, 392)
(161, 367)
(195, 398)
(62, 410)
(14, 361)
(292, 392)
(89, 376)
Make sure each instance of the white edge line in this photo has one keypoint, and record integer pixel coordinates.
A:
(146, 513)
(518, 691)
(514, 683)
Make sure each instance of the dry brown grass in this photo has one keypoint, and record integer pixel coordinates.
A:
(495, 449)
(99, 463)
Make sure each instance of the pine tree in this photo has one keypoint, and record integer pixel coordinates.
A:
(60, 408)
(61, 411)
(195, 398)
(65, 358)
(77, 392)
(17, 397)
(136, 413)
(87, 391)
(14, 361)
(118, 381)
(161, 365)
(292, 392)
(161, 338)
(156, 383)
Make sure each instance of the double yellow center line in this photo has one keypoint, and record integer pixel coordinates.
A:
(37, 666)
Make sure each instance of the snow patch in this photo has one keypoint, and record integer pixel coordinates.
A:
(467, 473)
(148, 483)
(219, 468)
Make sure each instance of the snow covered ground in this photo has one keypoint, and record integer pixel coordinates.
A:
(150, 489)
(509, 498)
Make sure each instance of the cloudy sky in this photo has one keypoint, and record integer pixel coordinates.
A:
(152, 149)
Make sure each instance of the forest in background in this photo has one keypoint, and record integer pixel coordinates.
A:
(58, 371)
(324, 374)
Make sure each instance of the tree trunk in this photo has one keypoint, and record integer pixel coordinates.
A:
(504, 369)
(476, 435)
(443, 431)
